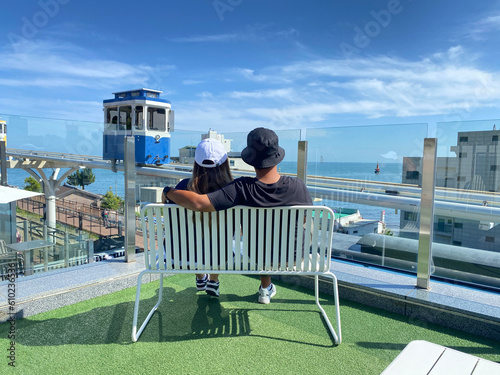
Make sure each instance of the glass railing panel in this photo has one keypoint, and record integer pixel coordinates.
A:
(54, 135)
(52, 146)
(367, 175)
(466, 243)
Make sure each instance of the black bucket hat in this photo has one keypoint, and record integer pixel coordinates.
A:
(263, 150)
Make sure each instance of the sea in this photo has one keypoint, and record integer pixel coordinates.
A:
(389, 172)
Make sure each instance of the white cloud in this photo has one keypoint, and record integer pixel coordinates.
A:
(306, 93)
(390, 155)
(209, 38)
(314, 93)
(251, 33)
(285, 93)
(53, 64)
(479, 29)
(192, 82)
(384, 86)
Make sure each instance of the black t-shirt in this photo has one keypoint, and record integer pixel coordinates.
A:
(183, 184)
(249, 191)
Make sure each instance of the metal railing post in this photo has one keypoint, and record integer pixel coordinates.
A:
(66, 250)
(302, 161)
(3, 163)
(90, 247)
(26, 230)
(426, 213)
(129, 175)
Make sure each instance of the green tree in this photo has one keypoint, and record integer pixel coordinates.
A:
(388, 232)
(111, 201)
(31, 184)
(81, 178)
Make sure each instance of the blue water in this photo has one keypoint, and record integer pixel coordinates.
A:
(104, 180)
(390, 172)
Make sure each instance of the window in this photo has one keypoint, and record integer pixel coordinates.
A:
(157, 119)
(440, 225)
(139, 111)
(493, 168)
(125, 117)
(112, 115)
(457, 243)
(490, 239)
(458, 225)
(464, 139)
(494, 138)
(462, 155)
(410, 216)
(460, 178)
(412, 175)
(448, 182)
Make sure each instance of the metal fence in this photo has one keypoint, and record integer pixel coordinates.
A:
(77, 216)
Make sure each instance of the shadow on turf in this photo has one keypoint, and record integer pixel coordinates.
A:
(183, 315)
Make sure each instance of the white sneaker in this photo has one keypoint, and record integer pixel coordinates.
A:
(265, 294)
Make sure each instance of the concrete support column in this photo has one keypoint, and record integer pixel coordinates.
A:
(50, 208)
(50, 186)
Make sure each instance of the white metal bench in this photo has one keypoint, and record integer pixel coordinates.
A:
(240, 240)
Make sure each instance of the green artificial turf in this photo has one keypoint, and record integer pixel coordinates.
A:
(192, 333)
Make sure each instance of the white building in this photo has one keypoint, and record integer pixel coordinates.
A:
(475, 167)
(186, 154)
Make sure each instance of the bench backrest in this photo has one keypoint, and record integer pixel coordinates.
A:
(242, 238)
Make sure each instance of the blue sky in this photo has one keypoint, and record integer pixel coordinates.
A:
(232, 65)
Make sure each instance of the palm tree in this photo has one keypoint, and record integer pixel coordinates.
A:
(81, 178)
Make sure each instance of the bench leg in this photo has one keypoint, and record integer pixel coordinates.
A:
(337, 337)
(135, 333)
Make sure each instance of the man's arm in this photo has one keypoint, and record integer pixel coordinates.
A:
(189, 199)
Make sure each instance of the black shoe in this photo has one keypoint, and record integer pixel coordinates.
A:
(212, 288)
(201, 285)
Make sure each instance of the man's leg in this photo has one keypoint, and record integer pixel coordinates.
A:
(265, 281)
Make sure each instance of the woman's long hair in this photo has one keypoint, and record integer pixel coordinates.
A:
(205, 180)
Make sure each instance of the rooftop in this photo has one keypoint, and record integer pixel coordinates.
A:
(82, 316)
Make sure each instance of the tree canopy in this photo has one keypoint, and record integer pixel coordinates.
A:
(81, 178)
(31, 184)
(111, 201)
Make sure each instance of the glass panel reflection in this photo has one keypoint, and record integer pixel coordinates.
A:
(368, 176)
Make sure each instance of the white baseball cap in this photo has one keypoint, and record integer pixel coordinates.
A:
(210, 153)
